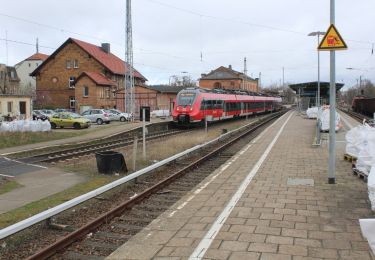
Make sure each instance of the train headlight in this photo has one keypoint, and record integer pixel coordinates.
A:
(191, 108)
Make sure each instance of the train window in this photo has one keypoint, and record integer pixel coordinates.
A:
(186, 98)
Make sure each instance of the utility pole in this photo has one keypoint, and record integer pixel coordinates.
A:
(129, 75)
(332, 110)
(283, 76)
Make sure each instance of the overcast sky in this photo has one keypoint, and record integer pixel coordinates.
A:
(169, 36)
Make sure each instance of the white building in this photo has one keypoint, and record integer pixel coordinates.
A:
(24, 68)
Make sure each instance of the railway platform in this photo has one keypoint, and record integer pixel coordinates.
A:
(269, 201)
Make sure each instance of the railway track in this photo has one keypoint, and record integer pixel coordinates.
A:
(105, 223)
(356, 116)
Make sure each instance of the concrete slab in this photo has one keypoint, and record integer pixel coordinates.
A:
(38, 185)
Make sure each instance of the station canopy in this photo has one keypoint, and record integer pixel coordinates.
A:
(310, 89)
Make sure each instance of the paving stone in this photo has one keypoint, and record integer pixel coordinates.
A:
(282, 224)
(323, 253)
(263, 247)
(294, 233)
(336, 244)
(307, 226)
(279, 240)
(234, 245)
(293, 250)
(267, 230)
(321, 235)
(217, 254)
(270, 256)
(244, 255)
(252, 237)
(308, 242)
(242, 228)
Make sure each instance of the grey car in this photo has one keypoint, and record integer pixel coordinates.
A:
(117, 115)
(98, 116)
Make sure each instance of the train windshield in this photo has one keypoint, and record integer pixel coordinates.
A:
(186, 98)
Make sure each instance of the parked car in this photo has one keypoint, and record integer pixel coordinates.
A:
(68, 119)
(38, 115)
(59, 110)
(117, 115)
(47, 112)
(99, 116)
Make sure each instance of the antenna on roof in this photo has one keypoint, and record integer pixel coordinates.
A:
(245, 66)
(37, 45)
(6, 44)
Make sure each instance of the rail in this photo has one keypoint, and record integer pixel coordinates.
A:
(17, 227)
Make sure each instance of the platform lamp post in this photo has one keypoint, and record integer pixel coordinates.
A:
(317, 102)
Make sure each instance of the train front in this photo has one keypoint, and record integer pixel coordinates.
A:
(185, 110)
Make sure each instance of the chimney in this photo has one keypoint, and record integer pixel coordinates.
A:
(203, 75)
(230, 66)
(106, 47)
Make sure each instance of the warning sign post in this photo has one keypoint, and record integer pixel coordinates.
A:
(332, 40)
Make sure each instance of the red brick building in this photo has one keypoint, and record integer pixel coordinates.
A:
(227, 78)
(79, 75)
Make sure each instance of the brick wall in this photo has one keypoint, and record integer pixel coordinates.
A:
(52, 83)
(229, 84)
(97, 96)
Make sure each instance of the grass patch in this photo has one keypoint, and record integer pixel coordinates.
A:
(8, 186)
(21, 138)
(33, 208)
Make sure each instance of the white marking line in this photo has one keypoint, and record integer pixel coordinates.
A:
(29, 164)
(7, 176)
(347, 122)
(223, 168)
(205, 243)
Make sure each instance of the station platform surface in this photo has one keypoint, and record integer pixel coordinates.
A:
(270, 201)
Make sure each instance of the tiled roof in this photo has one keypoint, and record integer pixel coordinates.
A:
(98, 78)
(225, 73)
(166, 88)
(110, 61)
(38, 56)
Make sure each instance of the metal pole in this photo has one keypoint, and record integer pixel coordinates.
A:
(332, 112)
(318, 99)
(144, 132)
(135, 146)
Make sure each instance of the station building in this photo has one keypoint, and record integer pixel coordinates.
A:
(227, 78)
(80, 75)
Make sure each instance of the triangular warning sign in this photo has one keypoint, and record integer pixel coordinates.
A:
(332, 40)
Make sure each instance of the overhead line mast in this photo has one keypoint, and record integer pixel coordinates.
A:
(129, 73)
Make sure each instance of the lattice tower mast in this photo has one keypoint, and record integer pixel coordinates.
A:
(129, 75)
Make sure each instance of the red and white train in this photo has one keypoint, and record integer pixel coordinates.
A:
(193, 105)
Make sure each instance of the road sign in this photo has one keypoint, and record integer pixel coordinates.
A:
(332, 40)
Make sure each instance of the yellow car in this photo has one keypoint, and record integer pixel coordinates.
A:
(67, 119)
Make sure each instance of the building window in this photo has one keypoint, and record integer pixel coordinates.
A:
(12, 75)
(108, 91)
(217, 85)
(85, 91)
(29, 64)
(114, 93)
(72, 80)
(68, 64)
(10, 106)
(101, 92)
(72, 102)
(37, 64)
(75, 64)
